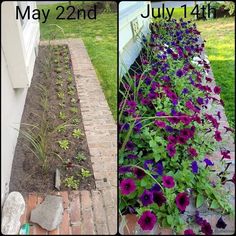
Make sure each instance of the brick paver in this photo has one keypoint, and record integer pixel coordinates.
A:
(95, 211)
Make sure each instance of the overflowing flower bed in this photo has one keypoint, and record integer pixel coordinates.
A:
(166, 130)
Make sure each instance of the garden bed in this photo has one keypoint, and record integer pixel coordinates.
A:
(169, 125)
(52, 121)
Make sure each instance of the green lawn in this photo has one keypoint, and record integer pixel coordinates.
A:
(100, 38)
(220, 49)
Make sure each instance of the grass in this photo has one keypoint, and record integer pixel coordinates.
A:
(220, 49)
(100, 38)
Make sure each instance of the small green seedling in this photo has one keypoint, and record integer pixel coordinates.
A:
(74, 109)
(70, 78)
(61, 95)
(59, 82)
(73, 100)
(75, 121)
(85, 173)
(61, 128)
(77, 133)
(62, 105)
(72, 183)
(58, 70)
(80, 157)
(71, 92)
(64, 144)
(62, 115)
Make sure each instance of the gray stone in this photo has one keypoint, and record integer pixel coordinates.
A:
(13, 208)
(49, 213)
(57, 180)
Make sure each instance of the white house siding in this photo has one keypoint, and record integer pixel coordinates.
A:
(129, 46)
(17, 65)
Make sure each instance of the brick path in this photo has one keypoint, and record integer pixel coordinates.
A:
(88, 212)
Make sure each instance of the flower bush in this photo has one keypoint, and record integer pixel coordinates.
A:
(166, 130)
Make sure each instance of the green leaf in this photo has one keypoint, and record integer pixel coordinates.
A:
(170, 220)
(199, 201)
(214, 204)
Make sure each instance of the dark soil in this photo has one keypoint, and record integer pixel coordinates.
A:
(27, 172)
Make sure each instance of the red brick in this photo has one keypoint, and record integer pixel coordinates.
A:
(129, 227)
(75, 216)
(54, 232)
(85, 200)
(76, 230)
(65, 199)
(31, 204)
(64, 226)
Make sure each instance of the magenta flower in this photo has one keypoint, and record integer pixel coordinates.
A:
(146, 198)
(147, 220)
(225, 154)
(206, 228)
(192, 152)
(182, 201)
(217, 90)
(171, 139)
(168, 181)
(181, 140)
(185, 120)
(217, 136)
(189, 232)
(160, 124)
(171, 149)
(127, 186)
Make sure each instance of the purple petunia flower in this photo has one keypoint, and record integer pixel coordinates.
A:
(131, 104)
(182, 201)
(179, 73)
(146, 198)
(200, 100)
(169, 129)
(208, 162)
(221, 224)
(168, 181)
(139, 173)
(155, 187)
(160, 113)
(194, 166)
(159, 198)
(127, 186)
(124, 169)
(132, 156)
(137, 126)
(185, 91)
(130, 146)
(147, 220)
(148, 164)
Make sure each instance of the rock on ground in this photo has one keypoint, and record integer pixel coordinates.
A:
(49, 213)
(13, 208)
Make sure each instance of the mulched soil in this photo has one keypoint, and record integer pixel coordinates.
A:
(27, 173)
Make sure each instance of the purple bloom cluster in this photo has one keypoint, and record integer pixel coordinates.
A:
(164, 103)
